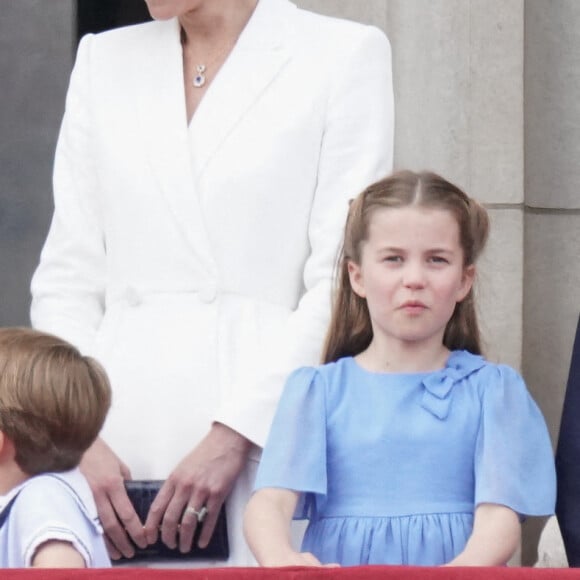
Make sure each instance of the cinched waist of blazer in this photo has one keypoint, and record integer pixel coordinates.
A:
(133, 296)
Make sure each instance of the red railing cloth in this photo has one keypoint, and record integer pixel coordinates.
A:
(300, 573)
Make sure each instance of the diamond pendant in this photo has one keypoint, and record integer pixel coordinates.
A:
(199, 78)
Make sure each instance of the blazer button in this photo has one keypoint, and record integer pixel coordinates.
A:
(133, 297)
(208, 292)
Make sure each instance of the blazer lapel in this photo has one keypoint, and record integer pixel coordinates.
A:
(259, 55)
(163, 119)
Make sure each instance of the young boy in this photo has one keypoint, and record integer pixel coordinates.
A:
(53, 402)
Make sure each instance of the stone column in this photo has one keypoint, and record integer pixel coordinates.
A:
(552, 186)
(458, 82)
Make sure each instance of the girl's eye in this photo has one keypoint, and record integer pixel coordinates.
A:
(438, 260)
(393, 259)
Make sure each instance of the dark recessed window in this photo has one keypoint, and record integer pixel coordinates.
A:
(99, 15)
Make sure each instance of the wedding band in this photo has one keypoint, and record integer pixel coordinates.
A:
(200, 515)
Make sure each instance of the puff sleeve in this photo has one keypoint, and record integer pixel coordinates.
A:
(514, 464)
(295, 453)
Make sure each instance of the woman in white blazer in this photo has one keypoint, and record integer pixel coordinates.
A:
(201, 180)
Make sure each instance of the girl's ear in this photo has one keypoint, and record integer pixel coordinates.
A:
(466, 282)
(356, 279)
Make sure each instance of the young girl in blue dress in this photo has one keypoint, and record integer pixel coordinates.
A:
(406, 446)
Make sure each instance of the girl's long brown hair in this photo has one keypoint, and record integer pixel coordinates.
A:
(350, 331)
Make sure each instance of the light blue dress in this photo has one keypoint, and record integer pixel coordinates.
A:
(391, 466)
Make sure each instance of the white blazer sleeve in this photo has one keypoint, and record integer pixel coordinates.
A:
(357, 149)
(68, 285)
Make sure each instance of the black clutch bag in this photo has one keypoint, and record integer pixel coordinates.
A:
(142, 493)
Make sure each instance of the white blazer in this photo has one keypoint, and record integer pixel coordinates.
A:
(196, 262)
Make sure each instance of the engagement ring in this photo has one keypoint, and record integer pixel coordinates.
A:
(200, 515)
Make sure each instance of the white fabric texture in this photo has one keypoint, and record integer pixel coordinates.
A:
(195, 262)
(551, 551)
(51, 507)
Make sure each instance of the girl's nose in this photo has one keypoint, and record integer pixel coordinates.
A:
(413, 275)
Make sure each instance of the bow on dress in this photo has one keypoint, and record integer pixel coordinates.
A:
(437, 395)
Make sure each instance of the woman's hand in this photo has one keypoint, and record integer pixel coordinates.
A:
(106, 473)
(203, 478)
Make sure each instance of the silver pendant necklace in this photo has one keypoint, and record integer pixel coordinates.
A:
(199, 78)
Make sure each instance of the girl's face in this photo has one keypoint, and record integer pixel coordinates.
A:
(411, 273)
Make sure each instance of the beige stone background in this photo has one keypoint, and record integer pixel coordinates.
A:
(487, 93)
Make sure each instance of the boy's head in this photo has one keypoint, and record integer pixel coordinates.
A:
(53, 400)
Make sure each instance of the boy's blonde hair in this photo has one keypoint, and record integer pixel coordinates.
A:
(53, 400)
